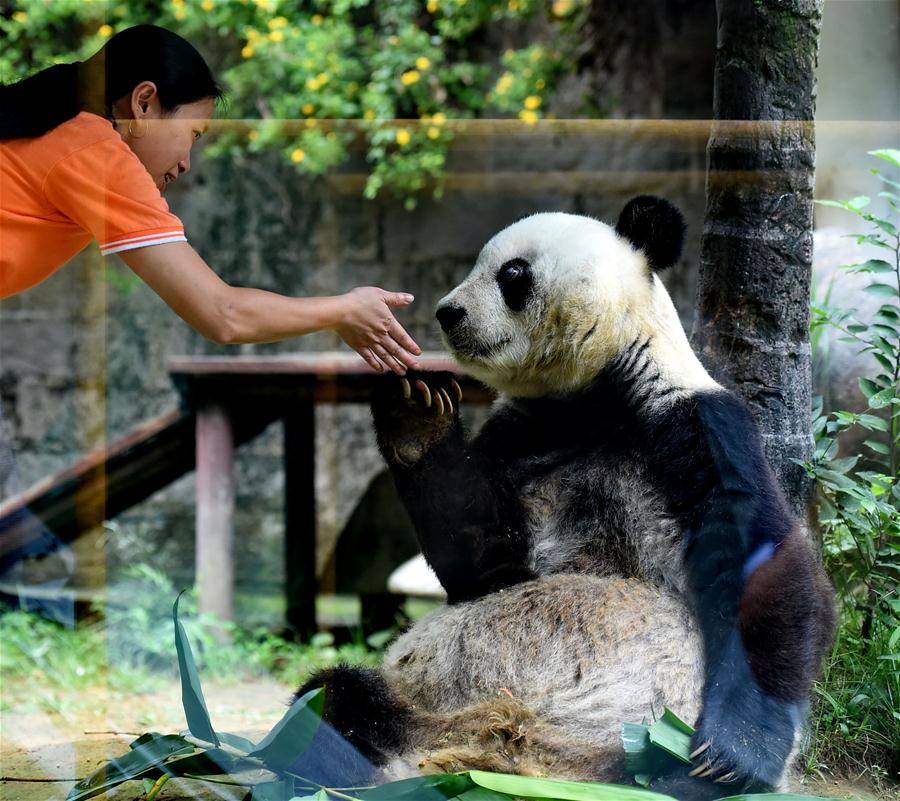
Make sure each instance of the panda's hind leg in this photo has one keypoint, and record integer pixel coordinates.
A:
(364, 725)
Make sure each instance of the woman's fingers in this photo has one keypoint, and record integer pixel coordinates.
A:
(371, 359)
(390, 361)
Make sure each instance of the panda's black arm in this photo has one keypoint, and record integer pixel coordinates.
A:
(465, 527)
(760, 597)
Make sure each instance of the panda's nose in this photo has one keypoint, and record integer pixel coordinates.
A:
(449, 316)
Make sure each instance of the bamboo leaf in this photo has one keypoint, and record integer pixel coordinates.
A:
(195, 710)
(236, 741)
(672, 735)
(293, 733)
(532, 787)
(872, 266)
(144, 758)
(435, 787)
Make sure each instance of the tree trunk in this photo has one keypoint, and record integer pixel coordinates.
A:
(752, 325)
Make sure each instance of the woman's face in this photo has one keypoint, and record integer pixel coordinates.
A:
(163, 140)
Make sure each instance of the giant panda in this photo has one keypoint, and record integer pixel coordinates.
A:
(611, 541)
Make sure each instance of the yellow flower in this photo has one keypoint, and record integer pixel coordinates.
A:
(434, 133)
(460, 2)
(277, 22)
(422, 63)
(393, 40)
(316, 19)
(368, 114)
(313, 84)
(20, 17)
(253, 135)
(276, 36)
(532, 102)
(528, 116)
(297, 156)
(439, 118)
(119, 11)
(562, 7)
(311, 123)
(536, 54)
(409, 77)
(509, 53)
(207, 5)
(253, 35)
(105, 30)
(402, 136)
(513, 5)
(322, 78)
(503, 83)
(540, 83)
(247, 51)
(432, 6)
(179, 13)
(308, 108)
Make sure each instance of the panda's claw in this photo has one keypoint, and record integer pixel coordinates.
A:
(439, 402)
(701, 749)
(447, 402)
(407, 389)
(699, 770)
(457, 389)
(726, 778)
(426, 393)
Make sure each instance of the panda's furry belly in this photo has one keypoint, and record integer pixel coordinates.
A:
(601, 519)
(560, 661)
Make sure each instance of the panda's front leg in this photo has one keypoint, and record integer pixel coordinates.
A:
(761, 663)
(466, 524)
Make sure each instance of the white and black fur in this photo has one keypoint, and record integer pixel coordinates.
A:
(611, 541)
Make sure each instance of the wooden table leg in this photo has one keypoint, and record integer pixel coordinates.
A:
(300, 518)
(215, 512)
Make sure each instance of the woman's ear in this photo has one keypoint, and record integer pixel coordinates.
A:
(145, 101)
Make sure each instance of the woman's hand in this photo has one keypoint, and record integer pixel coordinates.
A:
(368, 325)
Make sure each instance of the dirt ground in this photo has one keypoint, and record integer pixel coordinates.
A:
(43, 753)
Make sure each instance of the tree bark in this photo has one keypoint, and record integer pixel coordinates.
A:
(752, 324)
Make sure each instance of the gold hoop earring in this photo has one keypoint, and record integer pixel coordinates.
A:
(132, 128)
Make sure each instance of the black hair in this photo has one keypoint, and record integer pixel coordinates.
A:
(38, 104)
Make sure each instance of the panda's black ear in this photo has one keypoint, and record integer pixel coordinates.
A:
(654, 226)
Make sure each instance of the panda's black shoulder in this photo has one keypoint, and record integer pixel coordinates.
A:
(707, 442)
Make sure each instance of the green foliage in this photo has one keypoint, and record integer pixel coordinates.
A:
(311, 78)
(858, 720)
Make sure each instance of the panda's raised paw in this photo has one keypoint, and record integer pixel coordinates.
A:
(414, 412)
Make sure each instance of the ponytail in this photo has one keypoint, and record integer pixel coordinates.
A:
(39, 103)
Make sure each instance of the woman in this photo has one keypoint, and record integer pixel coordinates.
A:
(86, 150)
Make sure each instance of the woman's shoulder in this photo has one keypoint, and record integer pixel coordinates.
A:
(82, 130)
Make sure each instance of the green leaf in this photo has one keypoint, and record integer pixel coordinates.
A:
(293, 733)
(531, 787)
(672, 735)
(872, 266)
(868, 387)
(878, 447)
(481, 794)
(435, 787)
(881, 289)
(143, 758)
(192, 699)
(273, 791)
(873, 423)
(888, 154)
(236, 741)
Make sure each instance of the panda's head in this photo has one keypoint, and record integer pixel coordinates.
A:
(555, 297)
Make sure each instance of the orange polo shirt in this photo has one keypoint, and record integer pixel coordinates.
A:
(75, 183)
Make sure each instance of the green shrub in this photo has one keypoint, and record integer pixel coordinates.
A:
(857, 723)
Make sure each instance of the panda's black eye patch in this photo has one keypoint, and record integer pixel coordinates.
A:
(516, 282)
